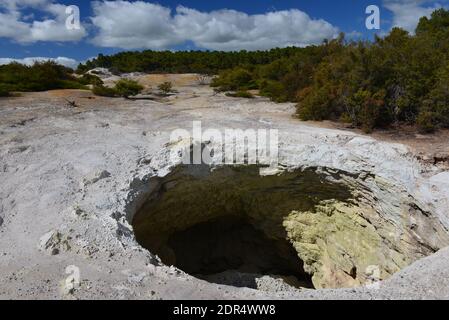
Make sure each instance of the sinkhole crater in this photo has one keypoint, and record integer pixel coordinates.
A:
(308, 228)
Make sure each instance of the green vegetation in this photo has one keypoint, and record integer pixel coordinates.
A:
(87, 79)
(127, 88)
(39, 77)
(166, 87)
(4, 92)
(234, 79)
(123, 88)
(205, 62)
(401, 78)
(101, 90)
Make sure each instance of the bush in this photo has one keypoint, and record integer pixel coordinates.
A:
(274, 90)
(90, 79)
(127, 88)
(364, 109)
(425, 122)
(123, 88)
(39, 77)
(314, 104)
(240, 94)
(4, 92)
(71, 84)
(437, 101)
(165, 87)
(238, 79)
(103, 91)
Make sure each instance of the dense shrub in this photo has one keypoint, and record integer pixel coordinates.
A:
(101, 90)
(123, 88)
(437, 101)
(399, 78)
(87, 79)
(39, 77)
(275, 90)
(127, 88)
(426, 122)
(315, 104)
(4, 92)
(234, 80)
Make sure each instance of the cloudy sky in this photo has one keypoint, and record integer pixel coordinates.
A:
(36, 29)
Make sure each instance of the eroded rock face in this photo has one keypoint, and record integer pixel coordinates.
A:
(346, 228)
(380, 230)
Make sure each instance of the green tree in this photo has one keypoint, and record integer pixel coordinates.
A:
(234, 80)
(437, 24)
(127, 88)
(437, 101)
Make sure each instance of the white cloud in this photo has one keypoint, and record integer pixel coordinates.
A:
(71, 63)
(139, 24)
(406, 13)
(133, 25)
(18, 27)
(17, 4)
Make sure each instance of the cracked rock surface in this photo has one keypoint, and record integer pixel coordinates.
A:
(70, 187)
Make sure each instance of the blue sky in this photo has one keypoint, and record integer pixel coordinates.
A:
(36, 28)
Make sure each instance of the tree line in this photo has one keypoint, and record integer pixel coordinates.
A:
(204, 62)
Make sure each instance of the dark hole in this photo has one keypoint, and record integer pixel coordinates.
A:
(226, 225)
(353, 272)
(212, 249)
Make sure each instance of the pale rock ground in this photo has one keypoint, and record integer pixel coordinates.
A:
(69, 177)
